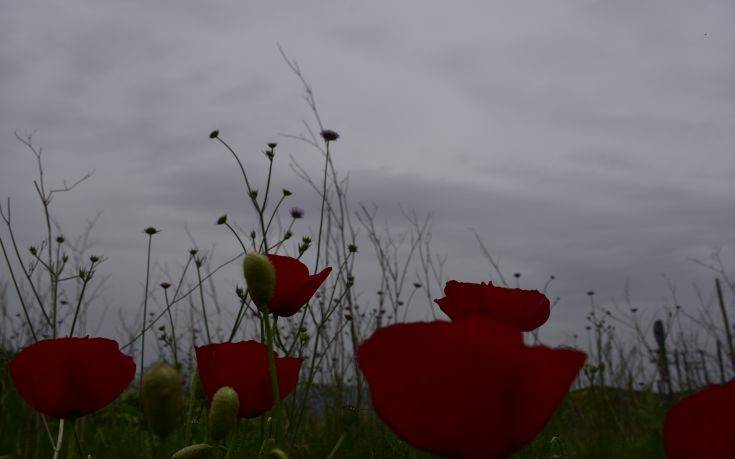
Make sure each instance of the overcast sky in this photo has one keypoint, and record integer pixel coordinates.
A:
(591, 140)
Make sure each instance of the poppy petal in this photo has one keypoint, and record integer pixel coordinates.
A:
(701, 425)
(294, 286)
(68, 377)
(524, 309)
(244, 367)
(453, 388)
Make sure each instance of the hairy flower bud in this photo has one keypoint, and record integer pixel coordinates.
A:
(222, 220)
(223, 412)
(162, 398)
(214, 134)
(198, 451)
(260, 275)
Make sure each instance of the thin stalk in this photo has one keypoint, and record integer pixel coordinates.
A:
(337, 445)
(198, 264)
(321, 214)
(20, 295)
(59, 439)
(145, 309)
(278, 412)
(85, 281)
(728, 333)
(174, 347)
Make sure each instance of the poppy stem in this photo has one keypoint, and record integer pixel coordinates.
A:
(59, 439)
(80, 451)
(337, 445)
(273, 376)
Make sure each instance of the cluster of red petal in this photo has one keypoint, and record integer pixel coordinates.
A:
(701, 425)
(469, 388)
(244, 367)
(294, 286)
(71, 377)
(524, 309)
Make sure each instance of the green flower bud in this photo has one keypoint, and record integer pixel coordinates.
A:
(214, 134)
(162, 399)
(193, 452)
(222, 220)
(260, 275)
(277, 453)
(223, 413)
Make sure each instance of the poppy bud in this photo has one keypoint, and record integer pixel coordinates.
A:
(162, 398)
(165, 285)
(277, 453)
(352, 248)
(287, 192)
(223, 412)
(260, 275)
(60, 240)
(214, 134)
(272, 145)
(94, 258)
(222, 220)
(193, 452)
(33, 250)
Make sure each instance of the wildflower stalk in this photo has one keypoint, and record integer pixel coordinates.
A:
(85, 276)
(174, 347)
(728, 334)
(198, 264)
(20, 295)
(321, 214)
(150, 232)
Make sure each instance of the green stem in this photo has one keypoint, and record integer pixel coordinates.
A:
(198, 264)
(274, 376)
(321, 214)
(337, 445)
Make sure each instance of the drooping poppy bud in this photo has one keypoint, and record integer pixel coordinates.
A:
(260, 276)
(198, 451)
(162, 399)
(223, 412)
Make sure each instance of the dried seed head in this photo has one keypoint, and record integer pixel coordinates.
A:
(329, 135)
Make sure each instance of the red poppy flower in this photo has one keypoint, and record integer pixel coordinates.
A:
(701, 425)
(524, 309)
(244, 367)
(294, 286)
(465, 389)
(71, 377)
